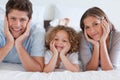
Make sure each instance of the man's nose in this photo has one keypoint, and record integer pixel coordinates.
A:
(17, 23)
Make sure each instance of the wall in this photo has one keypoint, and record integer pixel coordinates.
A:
(111, 7)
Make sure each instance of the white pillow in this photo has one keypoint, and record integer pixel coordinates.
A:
(74, 13)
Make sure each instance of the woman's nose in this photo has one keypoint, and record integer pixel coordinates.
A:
(92, 30)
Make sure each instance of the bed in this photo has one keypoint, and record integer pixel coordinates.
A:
(9, 71)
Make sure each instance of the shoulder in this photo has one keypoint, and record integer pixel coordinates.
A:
(35, 31)
(116, 33)
(48, 53)
(116, 37)
(74, 54)
(36, 28)
(1, 26)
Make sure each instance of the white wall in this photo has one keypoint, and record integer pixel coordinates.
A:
(111, 7)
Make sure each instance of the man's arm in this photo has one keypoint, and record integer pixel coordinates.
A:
(9, 41)
(31, 63)
(28, 62)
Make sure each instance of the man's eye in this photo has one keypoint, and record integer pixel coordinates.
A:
(13, 19)
(22, 20)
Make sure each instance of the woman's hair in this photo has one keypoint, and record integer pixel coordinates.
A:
(98, 13)
(73, 37)
(22, 5)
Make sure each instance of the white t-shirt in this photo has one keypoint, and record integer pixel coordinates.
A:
(73, 57)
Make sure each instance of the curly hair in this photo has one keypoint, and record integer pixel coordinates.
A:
(73, 37)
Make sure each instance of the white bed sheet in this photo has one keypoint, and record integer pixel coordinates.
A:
(10, 71)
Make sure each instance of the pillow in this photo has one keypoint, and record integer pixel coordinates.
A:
(37, 16)
(74, 14)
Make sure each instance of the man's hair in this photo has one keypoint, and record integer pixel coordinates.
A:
(22, 5)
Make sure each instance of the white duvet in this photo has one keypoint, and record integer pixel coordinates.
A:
(16, 72)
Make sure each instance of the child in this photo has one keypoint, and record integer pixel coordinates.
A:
(62, 45)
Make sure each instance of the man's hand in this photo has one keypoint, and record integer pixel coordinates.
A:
(7, 33)
(20, 39)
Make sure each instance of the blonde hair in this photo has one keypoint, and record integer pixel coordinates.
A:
(73, 37)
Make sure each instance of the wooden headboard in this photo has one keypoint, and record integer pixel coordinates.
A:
(46, 24)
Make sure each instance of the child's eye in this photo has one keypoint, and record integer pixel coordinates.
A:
(64, 40)
(56, 39)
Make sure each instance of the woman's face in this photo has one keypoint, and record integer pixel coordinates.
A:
(93, 28)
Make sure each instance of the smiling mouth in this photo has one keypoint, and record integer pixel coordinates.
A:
(16, 29)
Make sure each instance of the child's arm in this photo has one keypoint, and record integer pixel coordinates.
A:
(69, 65)
(52, 63)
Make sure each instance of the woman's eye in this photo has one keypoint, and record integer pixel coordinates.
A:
(86, 27)
(96, 24)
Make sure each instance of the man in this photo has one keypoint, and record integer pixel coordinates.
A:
(20, 42)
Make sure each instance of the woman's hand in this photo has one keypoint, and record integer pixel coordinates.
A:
(90, 40)
(106, 30)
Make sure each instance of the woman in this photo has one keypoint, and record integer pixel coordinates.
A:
(100, 42)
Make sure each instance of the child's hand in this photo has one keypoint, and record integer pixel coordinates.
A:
(65, 49)
(52, 47)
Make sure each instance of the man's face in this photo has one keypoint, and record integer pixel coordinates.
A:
(17, 22)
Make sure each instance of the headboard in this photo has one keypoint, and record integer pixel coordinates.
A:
(46, 24)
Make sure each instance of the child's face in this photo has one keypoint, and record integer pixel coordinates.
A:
(61, 39)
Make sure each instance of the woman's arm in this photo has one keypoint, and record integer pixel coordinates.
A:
(104, 57)
(104, 41)
(94, 61)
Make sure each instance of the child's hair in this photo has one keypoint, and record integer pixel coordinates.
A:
(73, 37)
